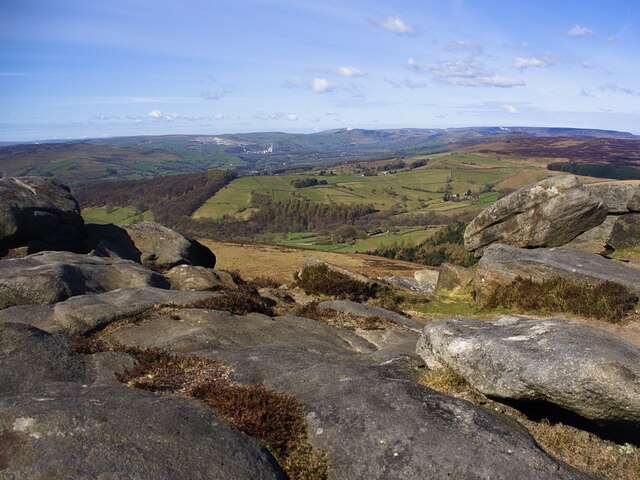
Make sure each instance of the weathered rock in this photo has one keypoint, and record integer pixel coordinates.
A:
(454, 277)
(549, 213)
(50, 277)
(409, 284)
(276, 295)
(85, 313)
(427, 276)
(616, 196)
(579, 368)
(60, 419)
(162, 248)
(368, 311)
(617, 232)
(37, 213)
(197, 279)
(312, 262)
(596, 240)
(363, 407)
(634, 203)
(111, 241)
(502, 264)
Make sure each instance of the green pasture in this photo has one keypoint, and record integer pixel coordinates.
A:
(117, 216)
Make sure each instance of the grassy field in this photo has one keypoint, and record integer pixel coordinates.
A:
(417, 190)
(118, 216)
(281, 263)
(406, 236)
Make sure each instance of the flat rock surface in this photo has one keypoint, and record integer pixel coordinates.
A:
(196, 279)
(370, 311)
(50, 277)
(549, 213)
(616, 196)
(60, 419)
(579, 368)
(363, 406)
(503, 263)
(410, 284)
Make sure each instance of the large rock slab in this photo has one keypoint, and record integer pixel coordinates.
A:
(162, 248)
(63, 416)
(454, 277)
(579, 368)
(368, 311)
(502, 264)
(616, 232)
(363, 408)
(39, 214)
(616, 196)
(549, 213)
(50, 277)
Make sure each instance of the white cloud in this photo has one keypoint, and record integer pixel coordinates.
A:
(579, 31)
(618, 88)
(539, 61)
(463, 73)
(158, 115)
(510, 108)
(585, 93)
(462, 45)
(350, 72)
(292, 117)
(396, 25)
(322, 85)
(218, 116)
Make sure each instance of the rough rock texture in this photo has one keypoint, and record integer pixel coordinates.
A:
(50, 277)
(580, 368)
(111, 241)
(634, 203)
(363, 406)
(597, 239)
(37, 214)
(427, 276)
(312, 262)
(162, 248)
(62, 415)
(409, 284)
(502, 264)
(369, 311)
(85, 313)
(453, 277)
(196, 279)
(617, 232)
(616, 196)
(549, 213)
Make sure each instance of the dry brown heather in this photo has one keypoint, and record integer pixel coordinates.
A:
(276, 419)
(281, 263)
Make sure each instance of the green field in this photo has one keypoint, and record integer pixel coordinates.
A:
(117, 216)
(417, 190)
(405, 236)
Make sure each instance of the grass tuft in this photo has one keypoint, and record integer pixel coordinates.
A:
(445, 380)
(607, 300)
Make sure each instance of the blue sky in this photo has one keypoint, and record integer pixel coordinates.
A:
(87, 68)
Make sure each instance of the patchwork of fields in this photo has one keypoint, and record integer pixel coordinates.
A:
(418, 190)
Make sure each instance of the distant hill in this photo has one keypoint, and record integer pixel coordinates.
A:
(86, 161)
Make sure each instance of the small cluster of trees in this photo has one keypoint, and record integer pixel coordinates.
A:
(601, 170)
(307, 182)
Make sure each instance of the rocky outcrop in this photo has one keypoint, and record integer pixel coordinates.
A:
(409, 284)
(426, 276)
(549, 213)
(502, 264)
(196, 279)
(313, 262)
(368, 311)
(63, 415)
(50, 277)
(362, 406)
(453, 277)
(579, 368)
(162, 248)
(616, 196)
(37, 213)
